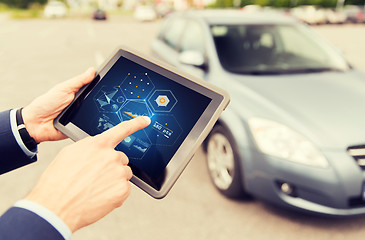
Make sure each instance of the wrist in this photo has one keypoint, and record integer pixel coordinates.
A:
(54, 206)
(27, 139)
(29, 123)
(47, 215)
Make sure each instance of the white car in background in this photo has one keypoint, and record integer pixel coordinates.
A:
(335, 17)
(309, 14)
(145, 13)
(55, 9)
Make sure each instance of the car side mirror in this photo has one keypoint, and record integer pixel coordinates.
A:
(193, 58)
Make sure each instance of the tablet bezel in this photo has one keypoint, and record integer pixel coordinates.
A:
(198, 133)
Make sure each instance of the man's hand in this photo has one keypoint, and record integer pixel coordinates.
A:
(38, 116)
(88, 179)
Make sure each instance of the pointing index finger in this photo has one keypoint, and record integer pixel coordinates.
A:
(116, 134)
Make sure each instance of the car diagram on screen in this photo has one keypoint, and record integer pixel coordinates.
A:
(109, 99)
(104, 123)
(136, 96)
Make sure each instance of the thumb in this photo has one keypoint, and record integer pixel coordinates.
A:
(74, 84)
(116, 134)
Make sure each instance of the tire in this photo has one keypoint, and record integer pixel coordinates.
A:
(223, 163)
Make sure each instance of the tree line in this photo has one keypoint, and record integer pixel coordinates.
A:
(284, 3)
(222, 3)
(22, 3)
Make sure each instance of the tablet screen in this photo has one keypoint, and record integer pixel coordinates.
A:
(129, 90)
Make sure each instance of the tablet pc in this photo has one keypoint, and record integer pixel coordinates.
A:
(182, 109)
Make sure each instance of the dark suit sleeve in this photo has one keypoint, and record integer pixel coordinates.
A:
(21, 224)
(11, 155)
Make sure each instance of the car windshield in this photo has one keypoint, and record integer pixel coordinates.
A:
(274, 49)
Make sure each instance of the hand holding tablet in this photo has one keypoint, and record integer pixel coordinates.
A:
(182, 111)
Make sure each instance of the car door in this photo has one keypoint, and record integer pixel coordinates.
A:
(193, 39)
(178, 35)
(166, 46)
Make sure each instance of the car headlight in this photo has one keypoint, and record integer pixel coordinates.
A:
(279, 140)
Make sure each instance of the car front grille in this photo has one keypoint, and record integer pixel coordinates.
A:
(358, 153)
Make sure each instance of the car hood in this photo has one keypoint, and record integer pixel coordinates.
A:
(327, 107)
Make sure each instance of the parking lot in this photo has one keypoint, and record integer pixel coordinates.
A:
(37, 54)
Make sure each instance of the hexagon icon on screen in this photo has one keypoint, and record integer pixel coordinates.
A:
(135, 145)
(163, 130)
(109, 99)
(162, 101)
(137, 86)
(133, 109)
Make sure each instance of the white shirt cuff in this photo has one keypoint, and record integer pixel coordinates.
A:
(14, 129)
(47, 215)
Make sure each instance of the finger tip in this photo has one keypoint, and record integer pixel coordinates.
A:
(147, 119)
(90, 70)
(89, 74)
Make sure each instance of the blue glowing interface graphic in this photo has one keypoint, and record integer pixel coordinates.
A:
(129, 90)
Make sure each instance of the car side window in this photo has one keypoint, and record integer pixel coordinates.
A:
(173, 31)
(193, 38)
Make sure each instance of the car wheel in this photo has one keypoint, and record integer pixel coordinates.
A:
(223, 163)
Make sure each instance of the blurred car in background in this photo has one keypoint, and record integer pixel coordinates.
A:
(354, 14)
(163, 9)
(293, 134)
(55, 9)
(309, 14)
(99, 14)
(334, 16)
(145, 13)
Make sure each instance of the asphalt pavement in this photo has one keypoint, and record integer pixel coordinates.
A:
(37, 54)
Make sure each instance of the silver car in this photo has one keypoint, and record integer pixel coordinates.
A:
(294, 133)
